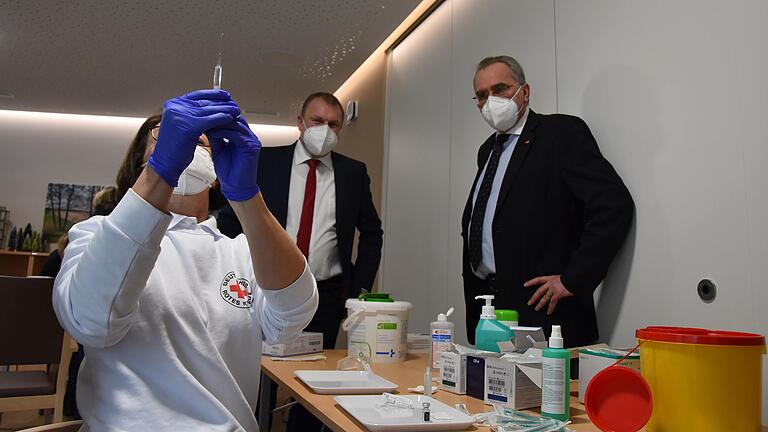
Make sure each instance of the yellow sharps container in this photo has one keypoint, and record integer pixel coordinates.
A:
(702, 380)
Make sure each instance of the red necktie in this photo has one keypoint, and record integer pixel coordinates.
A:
(307, 209)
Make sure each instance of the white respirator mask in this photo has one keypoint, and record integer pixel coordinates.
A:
(198, 176)
(501, 113)
(318, 140)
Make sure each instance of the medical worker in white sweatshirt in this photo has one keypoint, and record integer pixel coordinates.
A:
(171, 312)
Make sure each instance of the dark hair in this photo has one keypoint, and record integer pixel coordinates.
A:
(62, 243)
(327, 98)
(104, 201)
(134, 159)
(216, 200)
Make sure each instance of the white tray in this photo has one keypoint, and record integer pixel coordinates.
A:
(344, 382)
(376, 418)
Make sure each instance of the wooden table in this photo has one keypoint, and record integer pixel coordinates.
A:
(407, 374)
(15, 263)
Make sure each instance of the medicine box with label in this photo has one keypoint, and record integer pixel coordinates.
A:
(593, 360)
(453, 372)
(305, 343)
(476, 373)
(512, 384)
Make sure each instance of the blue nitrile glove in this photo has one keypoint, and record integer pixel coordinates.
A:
(237, 160)
(185, 118)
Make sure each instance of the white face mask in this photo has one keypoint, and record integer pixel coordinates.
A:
(318, 140)
(501, 113)
(198, 176)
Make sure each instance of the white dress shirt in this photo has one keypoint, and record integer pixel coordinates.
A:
(172, 321)
(323, 245)
(488, 263)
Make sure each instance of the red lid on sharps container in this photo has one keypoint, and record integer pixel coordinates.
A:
(699, 336)
(618, 399)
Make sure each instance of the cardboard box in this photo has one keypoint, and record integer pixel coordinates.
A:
(476, 373)
(418, 343)
(453, 372)
(514, 381)
(522, 341)
(593, 360)
(305, 343)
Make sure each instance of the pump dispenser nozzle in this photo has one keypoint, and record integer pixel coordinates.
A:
(489, 312)
(444, 316)
(556, 338)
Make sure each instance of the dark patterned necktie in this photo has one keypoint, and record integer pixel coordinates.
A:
(481, 202)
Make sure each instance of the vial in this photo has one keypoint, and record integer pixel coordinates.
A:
(425, 409)
(217, 70)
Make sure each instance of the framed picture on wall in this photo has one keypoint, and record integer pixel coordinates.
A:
(66, 205)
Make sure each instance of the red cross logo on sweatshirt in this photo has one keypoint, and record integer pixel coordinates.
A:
(236, 291)
(235, 288)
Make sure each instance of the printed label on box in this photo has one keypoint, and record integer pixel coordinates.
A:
(453, 370)
(497, 382)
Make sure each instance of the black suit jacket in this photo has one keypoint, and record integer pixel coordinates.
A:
(562, 209)
(354, 210)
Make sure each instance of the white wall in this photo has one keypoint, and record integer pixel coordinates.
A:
(434, 131)
(675, 93)
(41, 148)
(415, 227)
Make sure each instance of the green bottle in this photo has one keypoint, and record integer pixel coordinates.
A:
(489, 331)
(556, 378)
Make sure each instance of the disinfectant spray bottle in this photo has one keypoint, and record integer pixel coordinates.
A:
(556, 378)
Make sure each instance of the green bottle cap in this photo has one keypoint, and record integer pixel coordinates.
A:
(506, 315)
(376, 297)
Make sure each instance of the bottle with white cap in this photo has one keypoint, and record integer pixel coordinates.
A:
(556, 378)
(441, 336)
(489, 332)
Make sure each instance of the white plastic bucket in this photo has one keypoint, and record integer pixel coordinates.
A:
(377, 331)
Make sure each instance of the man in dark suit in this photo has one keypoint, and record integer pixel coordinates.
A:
(340, 204)
(320, 197)
(546, 214)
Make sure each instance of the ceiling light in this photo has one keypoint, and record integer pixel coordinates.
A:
(262, 112)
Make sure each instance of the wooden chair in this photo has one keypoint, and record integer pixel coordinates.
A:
(70, 426)
(30, 334)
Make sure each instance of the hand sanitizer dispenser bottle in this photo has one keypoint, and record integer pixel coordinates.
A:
(489, 331)
(441, 336)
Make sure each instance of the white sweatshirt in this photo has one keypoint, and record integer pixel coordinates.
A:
(171, 319)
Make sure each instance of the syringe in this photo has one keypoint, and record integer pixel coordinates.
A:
(217, 74)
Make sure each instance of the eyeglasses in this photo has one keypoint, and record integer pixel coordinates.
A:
(500, 89)
(156, 130)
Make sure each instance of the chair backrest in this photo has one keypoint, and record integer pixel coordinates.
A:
(29, 330)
